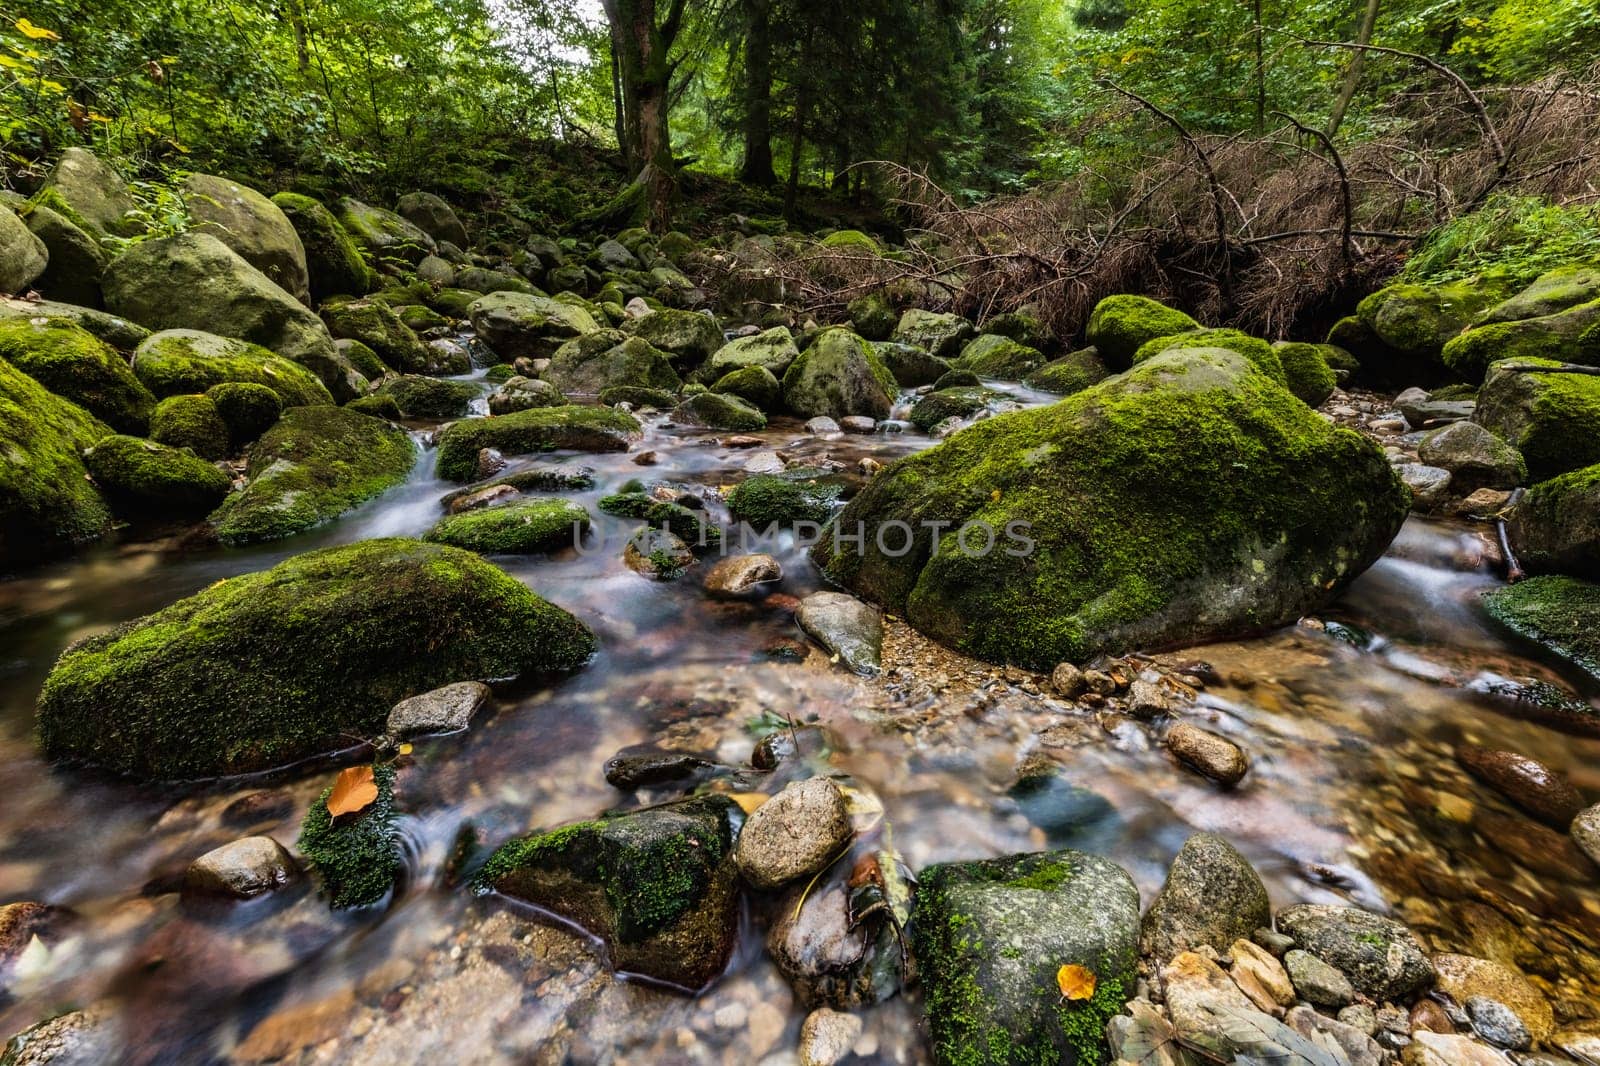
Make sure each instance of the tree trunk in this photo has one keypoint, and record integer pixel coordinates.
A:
(757, 166)
(640, 47)
(1261, 74)
(1352, 74)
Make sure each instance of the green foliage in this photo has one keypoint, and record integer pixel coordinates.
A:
(1519, 237)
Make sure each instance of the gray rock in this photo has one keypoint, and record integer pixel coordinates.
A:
(1382, 958)
(521, 394)
(22, 254)
(1476, 458)
(826, 959)
(1316, 981)
(78, 1038)
(794, 834)
(1357, 1045)
(1428, 484)
(1206, 753)
(826, 1036)
(76, 260)
(1498, 1023)
(1148, 699)
(1586, 832)
(846, 627)
(822, 425)
(611, 255)
(252, 225)
(739, 576)
(433, 216)
(448, 709)
(858, 424)
(96, 193)
(1439, 1049)
(245, 868)
(1361, 1017)
(1212, 896)
(1425, 414)
(941, 335)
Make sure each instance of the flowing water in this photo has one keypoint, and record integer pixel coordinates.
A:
(1354, 796)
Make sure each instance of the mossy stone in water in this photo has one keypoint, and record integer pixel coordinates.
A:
(719, 410)
(688, 337)
(263, 670)
(1561, 613)
(1254, 349)
(357, 856)
(142, 477)
(312, 466)
(911, 366)
(774, 349)
(989, 939)
(658, 885)
(247, 409)
(959, 402)
(627, 504)
(584, 429)
(595, 362)
(692, 526)
(839, 375)
(191, 422)
(1306, 371)
(378, 405)
(1555, 527)
(73, 363)
(753, 384)
(775, 499)
(1072, 373)
(638, 397)
(1120, 325)
(1189, 498)
(47, 504)
(994, 356)
(1553, 419)
(423, 397)
(177, 361)
(540, 525)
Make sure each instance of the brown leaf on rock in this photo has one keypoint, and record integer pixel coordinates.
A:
(354, 791)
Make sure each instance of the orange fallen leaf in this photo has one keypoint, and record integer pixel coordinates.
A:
(354, 791)
(1075, 982)
(749, 801)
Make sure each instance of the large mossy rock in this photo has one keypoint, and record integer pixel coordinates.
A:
(47, 505)
(194, 281)
(1189, 498)
(911, 366)
(518, 324)
(252, 225)
(1549, 294)
(1306, 371)
(1399, 332)
(145, 479)
(839, 375)
(1254, 349)
(541, 429)
(384, 234)
(375, 324)
(688, 337)
(960, 402)
(774, 349)
(312, 466)
(1552, 418)
(1072, 373)
(994, 356)
(1560, 613)
(658, 885)
(113, 329)
(608, 359)
(433, 216)
(722, 411)
(519, 527)
(96, 196)
(1120, 325)
(178, 361)
(76, 260)
(1571, 335)
(754, 384)
(334, 265)
(22, 254)
(417, 396)
(73, 363)
(990, 938)
(266, 669)
(1555, 527)
(940, 334)
(192, 422)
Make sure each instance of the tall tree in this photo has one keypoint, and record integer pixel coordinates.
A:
(642, 36)
(756, 167)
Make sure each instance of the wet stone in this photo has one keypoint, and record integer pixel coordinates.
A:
(1498, 1024)
(822, 425)
(1381, 957)
(1316, 981)
(447, 709)
(1212, 896)
(794, 834)
(739, 576)
(1437, 1049)
(1528, 783)
(1206, 753)
(826, 1036)
(240, 870)
(1586, 832)
(850, 630)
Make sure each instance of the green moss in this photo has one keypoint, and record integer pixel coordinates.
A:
(1071, 373)
(754, 384)
(263, 670)
(961, 402)
(142, 477)
(606, 359)
(851, 239)
(418, 318)
(627, 504)
(500, 373)
(191, 422)
(660, 399)
(314, 465)
(590, 429)
(693, 527)
(688, 337)
(247, 409)
(73, 363)
(334, 263)
(773, 499)
(424, 397)
(47, 504)
(1552, 419)
(1559, 337)
(358, 856)
(179, 361)
(374, 323)
(994, 356)
(542, 525)
(1119, 325)
(724, 411)
(873, 316)
(1306, 372)
(839, 374)
(1254, 349)
(378, 405)
(1561, 613)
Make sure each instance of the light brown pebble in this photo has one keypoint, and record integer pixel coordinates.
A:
(1209, 755)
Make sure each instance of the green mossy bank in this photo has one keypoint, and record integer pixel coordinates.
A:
(1189, 498)
(263, 670)
(47, 505)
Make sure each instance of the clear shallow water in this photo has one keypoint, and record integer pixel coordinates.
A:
(1354, 795)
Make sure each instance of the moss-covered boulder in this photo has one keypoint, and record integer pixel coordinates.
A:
(608, 358)
(334, 266)
(191, 421)
(357, 856)
(753, 384)
(518, 324)
(658, 886)
(247, 409)
(872, 316)
(1555, 526)
(938, 334)
(522, 527)
(73, 363)
(990, 938)
(720, 410)
(143, 478)
(1072, 373)
(764, 500)
(523, 394)
(688, 337)
(962, 402)
(383, 234)
(1400, 331)
(420, 319)
(1022, 326)
(375, 324)
(178, 361)
(542, 429)
(911, 366)
(268, 668)
(692, 524)
(252, 225)
(1254, 349)
(994, 356)
(433, 216)
(1120, 325)
(113, 329)
(47, 505)
(22, 254)
(1189, 498)
(417, 396)
(1552, 418)
(1549, 294)
(1570, 336)
(312, 466)
(95, 196)
(76, 260)
(629, 503)
(839, 375)
(1560, 613)
(1306, 371)
(194, 281)
(774, 349)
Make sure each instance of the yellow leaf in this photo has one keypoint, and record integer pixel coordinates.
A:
(748, 801)
(36, 33)
(407, 748)
(95, 116)
(354, 790)
(12, 64)
(1075, 982)
(53, 86)
(994, 497)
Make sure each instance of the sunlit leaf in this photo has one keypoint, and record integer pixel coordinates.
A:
(749, 801)
(36, 33)
(354, 791)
